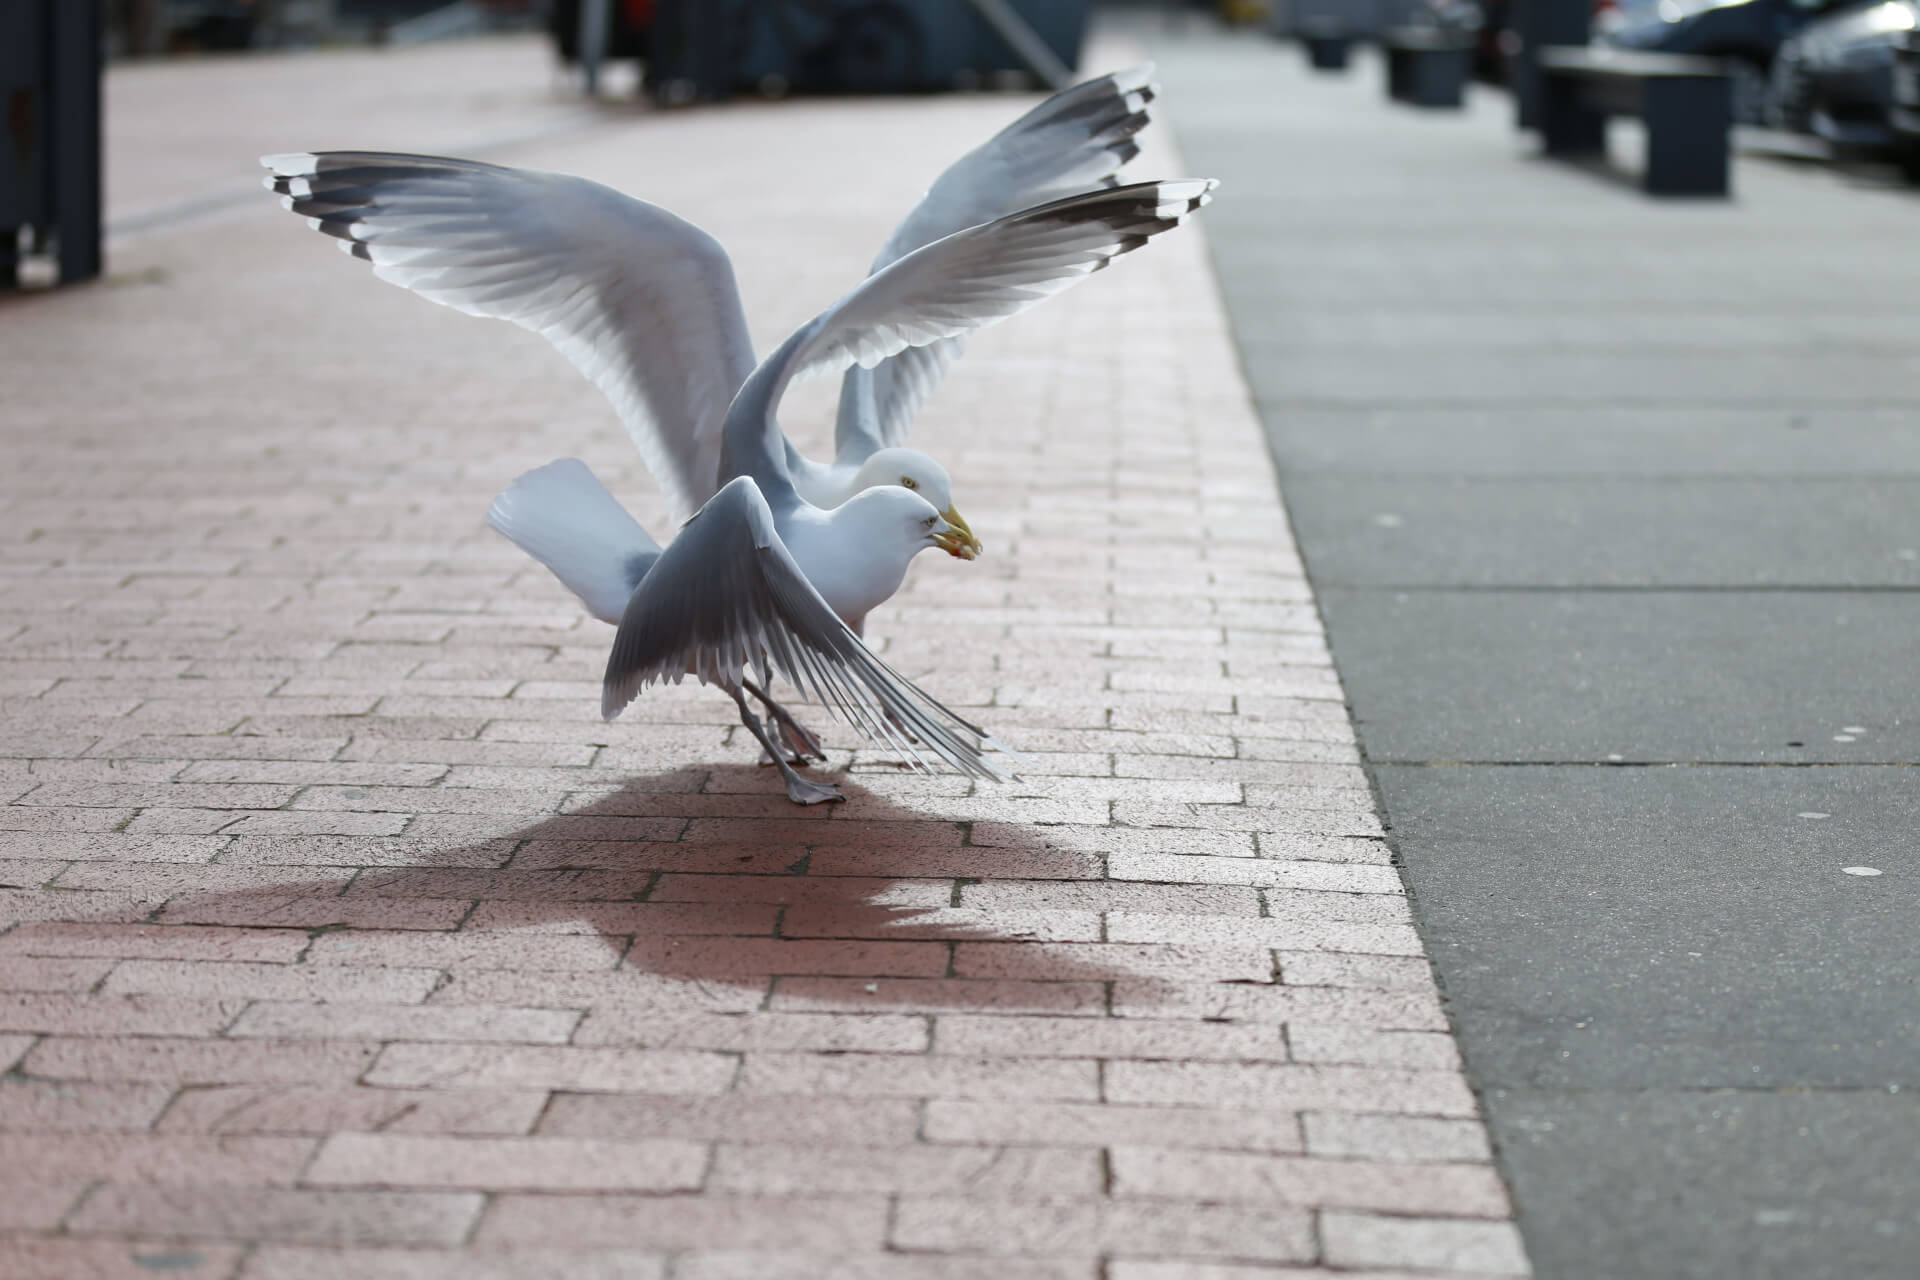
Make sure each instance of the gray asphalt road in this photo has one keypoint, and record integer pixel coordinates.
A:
(1613, 507)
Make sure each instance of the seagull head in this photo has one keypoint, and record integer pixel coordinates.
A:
(913, 470)
(889, 516)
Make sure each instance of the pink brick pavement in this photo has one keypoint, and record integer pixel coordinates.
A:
(344, 940)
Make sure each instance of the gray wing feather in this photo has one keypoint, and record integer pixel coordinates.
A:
(1075, 140)
(902, 383)
(642, 302)
(987, 273)
(726, 597)
(878, 405)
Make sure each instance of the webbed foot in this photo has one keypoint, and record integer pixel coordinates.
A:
(804, 791)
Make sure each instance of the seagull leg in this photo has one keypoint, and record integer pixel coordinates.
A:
(799, 790)
(796, 737)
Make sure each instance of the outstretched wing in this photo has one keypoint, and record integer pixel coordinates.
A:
(1075, 140)
(726, 597)
(951, 287)
(642, 302)
(987, 273)
(878, 405)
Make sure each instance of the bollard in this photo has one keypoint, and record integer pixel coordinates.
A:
(50, 52)
(1326, 29)
(1428, 67)
(1540, 23)
(1326, 42)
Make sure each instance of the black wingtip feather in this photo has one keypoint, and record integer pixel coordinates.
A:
(338, 228)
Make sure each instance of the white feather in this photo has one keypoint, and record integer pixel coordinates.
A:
(642, 302)
(562, 516)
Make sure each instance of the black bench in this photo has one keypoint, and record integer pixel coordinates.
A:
(1686, 104)
(1427, 67)
(1327, 41)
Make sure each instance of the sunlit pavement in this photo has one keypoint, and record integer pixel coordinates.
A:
(345, 940)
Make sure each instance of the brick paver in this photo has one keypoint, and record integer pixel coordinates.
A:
(343, 939)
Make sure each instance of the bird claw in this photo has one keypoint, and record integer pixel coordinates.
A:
(802, 791)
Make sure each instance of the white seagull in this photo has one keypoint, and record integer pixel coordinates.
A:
(645, 304)
(759, 580)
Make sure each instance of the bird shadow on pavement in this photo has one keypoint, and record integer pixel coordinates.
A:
(699, 887)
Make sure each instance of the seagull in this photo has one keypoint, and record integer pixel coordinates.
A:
(645, 304)
(760, 581)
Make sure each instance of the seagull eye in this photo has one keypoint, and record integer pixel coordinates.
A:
(909, 482)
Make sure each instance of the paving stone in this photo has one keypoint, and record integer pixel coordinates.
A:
(294, 1262)
(350, 1109)
(506, 1164)
(1482, 1248)
(30, 1258)
(297, 1216)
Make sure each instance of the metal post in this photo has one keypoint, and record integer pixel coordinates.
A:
(596, 20)
(23, 162)
(74, 53)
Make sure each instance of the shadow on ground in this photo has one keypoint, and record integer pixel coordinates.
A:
(698, 876)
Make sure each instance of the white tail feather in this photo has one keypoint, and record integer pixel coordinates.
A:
(562, 516)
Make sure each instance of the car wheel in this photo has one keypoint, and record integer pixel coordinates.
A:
(1789, 100)
(1909, 162)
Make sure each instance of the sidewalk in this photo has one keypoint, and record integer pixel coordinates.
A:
(1613, 509)
(182, 135)
(347, 941)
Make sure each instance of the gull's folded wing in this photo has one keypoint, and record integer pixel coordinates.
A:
(726, 598)
(639, 300)
(1075, 140)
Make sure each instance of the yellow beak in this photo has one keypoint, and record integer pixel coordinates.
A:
(958, 540)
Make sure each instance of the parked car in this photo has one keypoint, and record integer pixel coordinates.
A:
(1746, 33)
(1834, 79)
(1904, 114)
